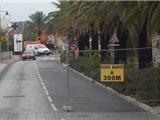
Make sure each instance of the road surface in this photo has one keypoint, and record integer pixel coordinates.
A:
(38, 90)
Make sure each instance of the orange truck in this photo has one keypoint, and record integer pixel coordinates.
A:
(40, 40)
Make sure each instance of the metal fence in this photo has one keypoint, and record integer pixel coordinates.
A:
(5, 53)
(141, 70)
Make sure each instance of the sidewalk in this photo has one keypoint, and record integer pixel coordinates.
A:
(5, 63)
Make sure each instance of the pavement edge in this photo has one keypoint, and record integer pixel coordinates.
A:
(127, 98)
(11, 62)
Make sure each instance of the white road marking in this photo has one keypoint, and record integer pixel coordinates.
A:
(44, 87)
(42, 83)
(63, 119)
(54, 108)
(50, 99)
(47, 93)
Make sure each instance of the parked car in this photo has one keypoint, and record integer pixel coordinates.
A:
(39, 49)
(42, 49)
(28, 54)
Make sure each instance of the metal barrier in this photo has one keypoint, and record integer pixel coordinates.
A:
(138, 67)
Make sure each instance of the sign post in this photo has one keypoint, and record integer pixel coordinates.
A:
(114, 41)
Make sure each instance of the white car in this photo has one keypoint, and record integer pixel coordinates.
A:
(39, 49)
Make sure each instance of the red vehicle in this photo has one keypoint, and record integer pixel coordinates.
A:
(28, 55)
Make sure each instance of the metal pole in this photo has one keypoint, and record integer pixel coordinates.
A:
(0, 50)
(0, 35)
(68, 107)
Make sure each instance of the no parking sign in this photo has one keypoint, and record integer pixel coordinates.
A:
(72, 46)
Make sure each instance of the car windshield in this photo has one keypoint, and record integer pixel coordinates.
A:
(41, 46)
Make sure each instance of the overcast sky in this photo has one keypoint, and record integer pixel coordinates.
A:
(20, 10)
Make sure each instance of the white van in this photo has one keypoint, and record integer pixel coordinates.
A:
(39, 49)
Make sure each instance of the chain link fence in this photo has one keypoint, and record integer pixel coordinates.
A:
(141, 70)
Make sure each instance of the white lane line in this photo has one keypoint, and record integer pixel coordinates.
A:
(44, 87)
(50, 99)
(54, 108)
(47, 93)
(63, 119)
(39, 76)
(42, 83)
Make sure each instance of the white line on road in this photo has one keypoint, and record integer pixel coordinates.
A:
(42, 83)
(44, 87)
(54, 108)
(47, 93)
(50, 99)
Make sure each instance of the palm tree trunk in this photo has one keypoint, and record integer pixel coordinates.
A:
(145, 55)
(86, 40)
(94, 42)
(104, 45)
(120, 55)
(81, 44)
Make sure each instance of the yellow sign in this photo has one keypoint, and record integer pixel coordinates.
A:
(112, 73)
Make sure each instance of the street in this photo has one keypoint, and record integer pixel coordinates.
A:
(39, 89)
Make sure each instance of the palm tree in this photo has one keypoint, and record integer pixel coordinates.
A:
(135, 19)
(141, 20)
(37, 22)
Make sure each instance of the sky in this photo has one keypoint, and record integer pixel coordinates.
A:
(20, 10)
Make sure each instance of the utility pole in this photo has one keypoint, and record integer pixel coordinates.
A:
(0, 37)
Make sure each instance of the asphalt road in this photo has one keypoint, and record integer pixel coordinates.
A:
(38, 90)
(85, 97)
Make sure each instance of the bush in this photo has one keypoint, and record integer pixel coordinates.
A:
(88, 64)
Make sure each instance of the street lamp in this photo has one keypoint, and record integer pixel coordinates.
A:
(6, 13)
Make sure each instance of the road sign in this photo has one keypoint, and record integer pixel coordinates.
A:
(112, 73)
(18, 39)
(114, 40)
(72, 46)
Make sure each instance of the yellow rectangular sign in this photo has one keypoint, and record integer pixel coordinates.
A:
(112, 73)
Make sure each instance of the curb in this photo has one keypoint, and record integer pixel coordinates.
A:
(127, 98)
(12, 61)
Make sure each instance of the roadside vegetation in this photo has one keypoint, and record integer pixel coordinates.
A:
(92, 23)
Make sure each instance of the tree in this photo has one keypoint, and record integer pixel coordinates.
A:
(138, 20)
(3, 35)
(36, 23)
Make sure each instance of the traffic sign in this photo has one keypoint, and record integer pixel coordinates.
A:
(72, 46)
(114, 40)
(112, 73)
